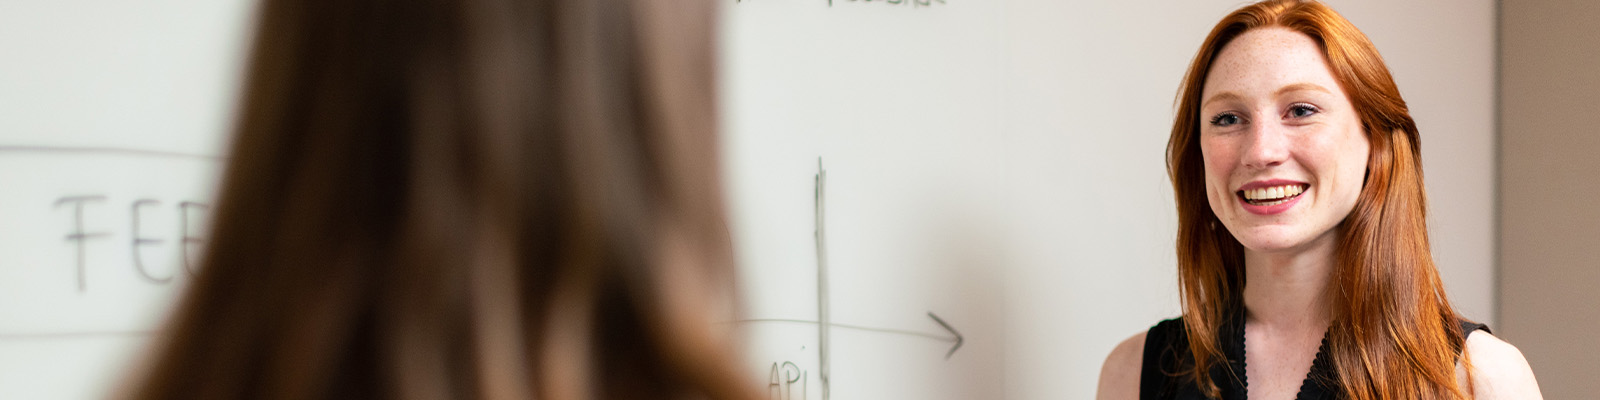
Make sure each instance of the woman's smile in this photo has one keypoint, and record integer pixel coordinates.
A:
(1271, 196)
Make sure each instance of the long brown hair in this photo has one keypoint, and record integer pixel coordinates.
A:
(432, 199)
(1394, 334)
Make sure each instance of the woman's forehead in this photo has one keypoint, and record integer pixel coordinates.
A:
(1261, 62)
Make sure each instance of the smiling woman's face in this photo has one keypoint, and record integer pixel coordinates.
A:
(1284, 150)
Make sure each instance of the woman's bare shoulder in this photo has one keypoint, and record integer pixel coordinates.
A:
(1499, 371)
(1119, 376)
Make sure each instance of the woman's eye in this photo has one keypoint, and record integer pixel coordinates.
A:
(1225, 119)
(1302, 110)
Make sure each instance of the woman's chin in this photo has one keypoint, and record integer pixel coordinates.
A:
(1273, 239)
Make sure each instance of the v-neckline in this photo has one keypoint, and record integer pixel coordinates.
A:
(1310, 388)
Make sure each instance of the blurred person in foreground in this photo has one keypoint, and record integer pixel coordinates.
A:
(1303, 257)
(496, 199)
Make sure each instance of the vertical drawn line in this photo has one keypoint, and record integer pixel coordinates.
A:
(822, 279)
(183, 217)
(139, 241)
(78, 235)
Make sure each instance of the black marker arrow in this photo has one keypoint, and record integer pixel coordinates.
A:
(950, 334)
(946, 325)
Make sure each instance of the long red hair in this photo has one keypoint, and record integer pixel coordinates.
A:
(1394, 334)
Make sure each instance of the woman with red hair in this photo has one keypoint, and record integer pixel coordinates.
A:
(1303, 253)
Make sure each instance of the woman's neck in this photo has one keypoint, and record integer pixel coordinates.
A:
(1287, 290)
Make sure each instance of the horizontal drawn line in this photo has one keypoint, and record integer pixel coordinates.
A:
(125, 151)
(855, 327)
(72, 335)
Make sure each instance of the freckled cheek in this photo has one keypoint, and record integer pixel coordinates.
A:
(1359, 147)
(1219, 163)
(1339, 164)
(1353, 167)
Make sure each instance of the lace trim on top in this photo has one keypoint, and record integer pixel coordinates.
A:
(1311, 388)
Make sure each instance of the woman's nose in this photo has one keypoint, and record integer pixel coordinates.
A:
(1267, 146)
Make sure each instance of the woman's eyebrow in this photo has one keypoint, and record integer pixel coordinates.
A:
(1221, 96)
(1303, 86)
(1293, 87)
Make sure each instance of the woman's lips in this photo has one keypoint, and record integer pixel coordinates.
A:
(1270, 197)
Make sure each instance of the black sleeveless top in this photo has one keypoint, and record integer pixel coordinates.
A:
(1166, 353)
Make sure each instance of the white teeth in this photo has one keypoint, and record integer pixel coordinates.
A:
(1274, 195)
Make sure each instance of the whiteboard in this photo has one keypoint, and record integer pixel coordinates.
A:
(878, 123)
(112, 117)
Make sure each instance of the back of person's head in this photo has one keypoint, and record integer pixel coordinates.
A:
(435, 199)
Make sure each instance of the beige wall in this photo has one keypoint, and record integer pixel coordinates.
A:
(1549, 190)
